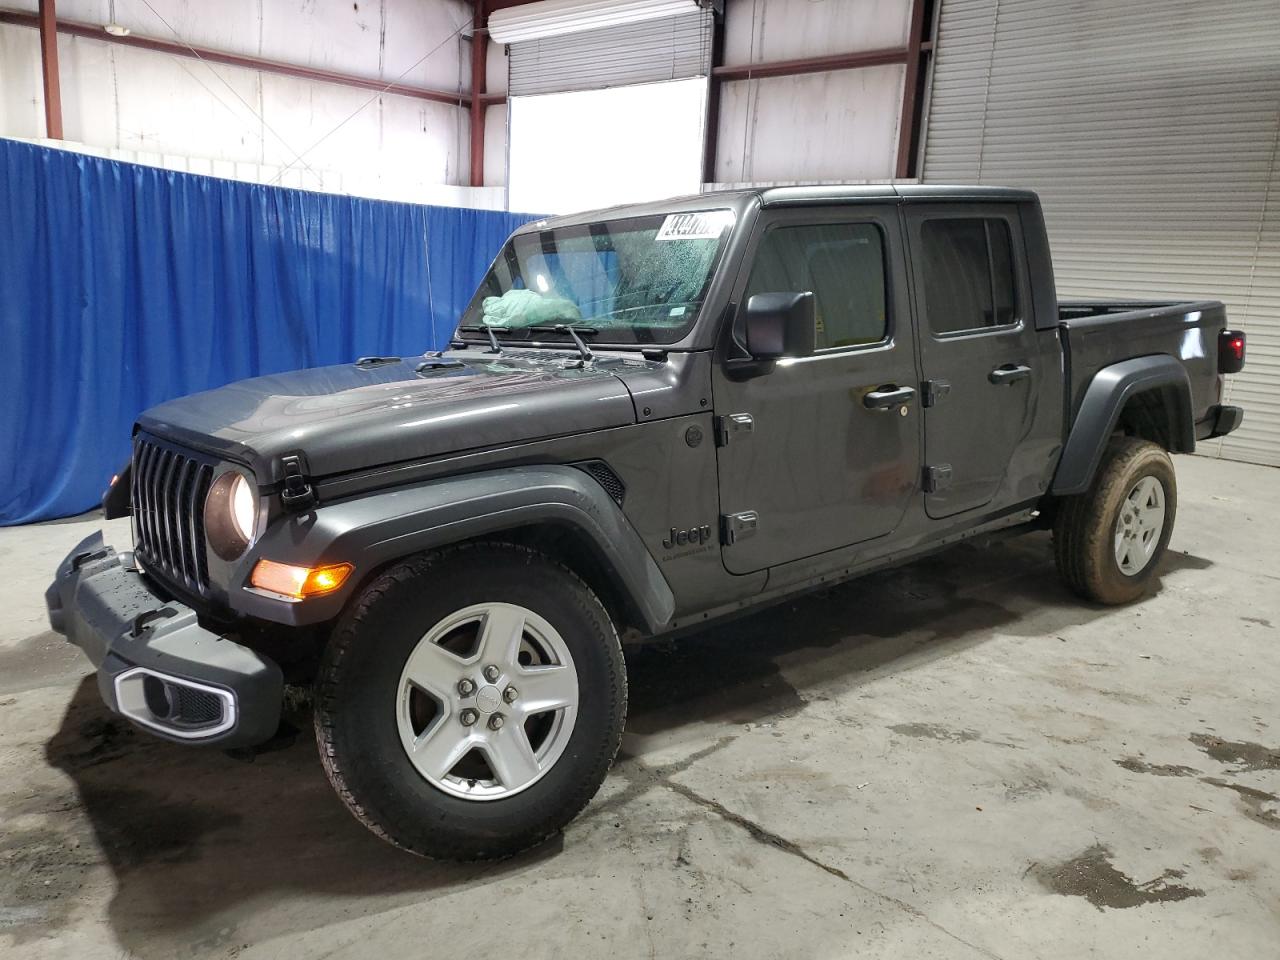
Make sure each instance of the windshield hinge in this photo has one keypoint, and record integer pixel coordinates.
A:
(297, 493)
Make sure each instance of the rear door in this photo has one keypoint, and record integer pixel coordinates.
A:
(979, 354)
(802, 448)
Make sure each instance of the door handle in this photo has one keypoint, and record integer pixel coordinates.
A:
(1009, 373)
(888, 397)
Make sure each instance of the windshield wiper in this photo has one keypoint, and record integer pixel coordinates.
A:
(573, 330)
(486, 329)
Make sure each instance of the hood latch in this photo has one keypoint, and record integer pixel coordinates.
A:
(297, 494)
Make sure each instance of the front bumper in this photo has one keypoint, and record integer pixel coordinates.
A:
(157, 665)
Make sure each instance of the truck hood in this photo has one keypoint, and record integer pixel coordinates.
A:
(353, 417)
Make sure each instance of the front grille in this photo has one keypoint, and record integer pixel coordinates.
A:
(169, 489)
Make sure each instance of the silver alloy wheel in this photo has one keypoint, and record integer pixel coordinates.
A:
(504, 734)
(1139, 526)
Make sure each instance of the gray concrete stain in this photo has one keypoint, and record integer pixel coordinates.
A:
(1248, 757)
(1024, 789)
(934, 731)
(1093, 876)
(20, 916)
(1137, 765)
(42, 660)
(1258, 804)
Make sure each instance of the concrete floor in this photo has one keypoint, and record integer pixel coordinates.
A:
(955, 759)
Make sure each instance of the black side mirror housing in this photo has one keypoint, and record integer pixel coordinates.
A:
(779, 325)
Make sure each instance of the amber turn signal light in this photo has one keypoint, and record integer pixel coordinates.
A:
(299, 583)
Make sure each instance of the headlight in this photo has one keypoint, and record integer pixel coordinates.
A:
(231, 515)
(244, 507)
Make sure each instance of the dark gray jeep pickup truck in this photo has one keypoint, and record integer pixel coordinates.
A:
(651, 417)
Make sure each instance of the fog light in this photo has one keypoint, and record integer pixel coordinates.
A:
(298, 583)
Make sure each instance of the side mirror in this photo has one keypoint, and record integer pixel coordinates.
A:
(779, 325)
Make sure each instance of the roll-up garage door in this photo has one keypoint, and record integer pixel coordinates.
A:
(1150, 131)
(668, 48)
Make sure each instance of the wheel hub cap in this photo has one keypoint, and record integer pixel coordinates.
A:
(1139, 526)
(488, 699)
(520, 735)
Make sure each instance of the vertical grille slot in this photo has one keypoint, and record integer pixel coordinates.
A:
(169, 490)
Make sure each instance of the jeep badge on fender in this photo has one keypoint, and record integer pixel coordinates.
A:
(696, 536)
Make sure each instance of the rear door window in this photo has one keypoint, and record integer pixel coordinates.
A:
(969, 280)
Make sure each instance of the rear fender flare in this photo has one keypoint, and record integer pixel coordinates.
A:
(374, 529)
(1104, 400)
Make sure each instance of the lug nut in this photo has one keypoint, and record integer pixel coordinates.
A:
(468, 717)
(466, 687)
(496, 722)
(491, 673)
(510, 694)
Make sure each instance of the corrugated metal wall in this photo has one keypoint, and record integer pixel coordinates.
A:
(1150, 132)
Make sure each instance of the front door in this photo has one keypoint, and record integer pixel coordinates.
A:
(978, 351)
(822, 451)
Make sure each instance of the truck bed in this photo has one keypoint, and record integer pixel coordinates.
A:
(1096, 333)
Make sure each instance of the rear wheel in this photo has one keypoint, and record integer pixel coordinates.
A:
(1109, 540)
(471, 701)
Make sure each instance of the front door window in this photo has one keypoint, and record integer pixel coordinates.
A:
(843, 264)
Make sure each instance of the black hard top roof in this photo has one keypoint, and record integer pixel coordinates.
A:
(822, 195)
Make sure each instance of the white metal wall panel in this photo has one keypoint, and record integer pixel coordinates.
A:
(671, 48)
(1150, 132)
(839, 125)
(121, 98)
(757, 31)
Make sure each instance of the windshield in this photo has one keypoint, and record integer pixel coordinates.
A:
(638, 280)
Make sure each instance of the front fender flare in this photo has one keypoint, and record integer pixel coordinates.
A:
(1104, 400)
(374, 529)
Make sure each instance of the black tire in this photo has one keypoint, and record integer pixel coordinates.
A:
(1084, 528)
(358, 683)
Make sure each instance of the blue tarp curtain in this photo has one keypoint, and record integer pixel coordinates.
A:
(122, 286)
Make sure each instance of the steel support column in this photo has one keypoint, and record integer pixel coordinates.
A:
(912, 94)
(48, 18)
(711, 135)
(479, 64)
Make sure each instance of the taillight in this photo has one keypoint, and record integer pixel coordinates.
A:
(1231, 351)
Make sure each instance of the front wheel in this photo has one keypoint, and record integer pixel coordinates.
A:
(1109, 540)
(471, 701)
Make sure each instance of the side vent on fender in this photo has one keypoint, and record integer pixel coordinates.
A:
(605, 476)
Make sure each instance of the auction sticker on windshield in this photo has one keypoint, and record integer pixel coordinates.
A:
(705, 225)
